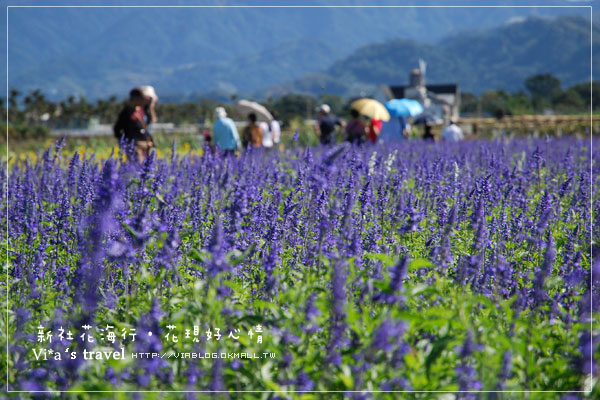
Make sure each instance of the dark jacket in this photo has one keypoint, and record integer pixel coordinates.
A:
(327, 127)
(130, 125)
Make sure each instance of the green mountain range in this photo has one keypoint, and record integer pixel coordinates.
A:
(498, 58)
(261, 52)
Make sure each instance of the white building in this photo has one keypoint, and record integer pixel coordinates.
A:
(442, 100)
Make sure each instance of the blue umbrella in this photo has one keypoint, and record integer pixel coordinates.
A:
(404, 107)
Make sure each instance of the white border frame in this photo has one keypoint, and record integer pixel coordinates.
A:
(311, 391)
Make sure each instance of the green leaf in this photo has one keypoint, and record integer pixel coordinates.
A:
(160, 198)
(239, 258)
(194, 254)
(346, 376)
(438, 347)
(129, 230)
(384, 258)
(420, 263)
(265, 371)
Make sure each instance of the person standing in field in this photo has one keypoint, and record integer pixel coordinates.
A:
(253, 135)
(374, 130)
(131, 124)
(355, 129)
(267, 141)
(150, 107)
(275, 129)
(452, 133)
(393, 131)
(326, 123)
(225, 135)
(428, 134)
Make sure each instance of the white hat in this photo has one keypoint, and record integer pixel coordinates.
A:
(221, 113)
(324, 108)
(149, 91)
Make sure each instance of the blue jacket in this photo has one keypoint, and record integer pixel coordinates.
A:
(225, 134)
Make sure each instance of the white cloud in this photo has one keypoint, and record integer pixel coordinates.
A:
(515, 20)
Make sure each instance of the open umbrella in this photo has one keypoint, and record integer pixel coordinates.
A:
(427, 119)
(246, 107)
(404, 107)
(371, 108)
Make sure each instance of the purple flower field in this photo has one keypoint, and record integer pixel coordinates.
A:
(422, 267)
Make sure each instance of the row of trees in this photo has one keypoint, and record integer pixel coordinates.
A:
(543, 93)
(34, 112)
(35, 109)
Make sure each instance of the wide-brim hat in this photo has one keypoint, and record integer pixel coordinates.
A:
(324, 108)
(149, 92)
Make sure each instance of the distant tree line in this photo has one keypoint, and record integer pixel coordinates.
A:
(35, 108)
(31, 115)
(543, 93)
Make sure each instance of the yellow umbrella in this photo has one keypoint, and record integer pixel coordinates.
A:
(371, 108)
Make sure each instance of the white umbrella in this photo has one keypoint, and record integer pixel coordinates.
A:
(246, 107)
